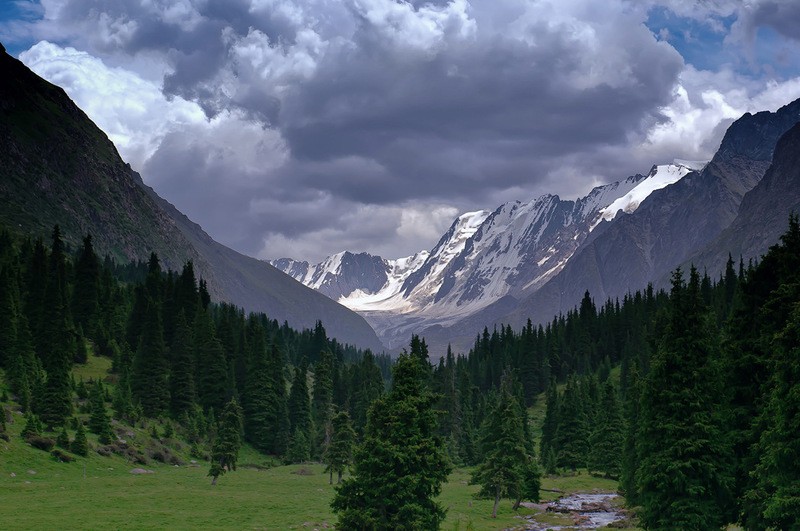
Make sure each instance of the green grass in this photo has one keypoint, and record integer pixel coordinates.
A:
(100, 492)
(95, 368)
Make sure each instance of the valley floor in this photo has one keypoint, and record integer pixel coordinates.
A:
(101, 493)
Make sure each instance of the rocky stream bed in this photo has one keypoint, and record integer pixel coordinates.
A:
(579, 511)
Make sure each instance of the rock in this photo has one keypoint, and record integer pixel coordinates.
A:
(141, 471)
(32, 472)
(13, 475)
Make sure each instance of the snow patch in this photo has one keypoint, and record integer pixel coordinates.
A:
(660, 177)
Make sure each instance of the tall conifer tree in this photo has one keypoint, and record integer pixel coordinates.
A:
(149, 375)
(684, 477)
(399, 469)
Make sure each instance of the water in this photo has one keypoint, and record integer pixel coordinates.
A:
(589, 511)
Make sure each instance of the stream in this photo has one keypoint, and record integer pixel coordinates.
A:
(588, 511)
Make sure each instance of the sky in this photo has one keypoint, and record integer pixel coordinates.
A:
(301, 128)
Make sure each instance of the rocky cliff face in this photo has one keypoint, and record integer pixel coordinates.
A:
(57, 167)
(764, 213)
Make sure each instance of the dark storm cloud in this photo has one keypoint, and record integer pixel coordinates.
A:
(783, 16)
(383, 103)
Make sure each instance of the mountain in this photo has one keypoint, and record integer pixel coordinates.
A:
(764, 212)
(670, 226)
(536, 259)
(482, 258)
(57, 167)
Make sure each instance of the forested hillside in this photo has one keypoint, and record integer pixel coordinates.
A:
(688, 397)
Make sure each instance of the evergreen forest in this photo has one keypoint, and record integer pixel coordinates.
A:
(689, 397)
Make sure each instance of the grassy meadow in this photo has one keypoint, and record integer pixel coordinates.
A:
(97, 492)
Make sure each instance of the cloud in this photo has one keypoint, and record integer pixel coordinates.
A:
(304, 127)
(132, 111)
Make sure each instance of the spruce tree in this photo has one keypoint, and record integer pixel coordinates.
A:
(322, 402)
(183, 395)
(9, 315)
(225, 451)
(684, 477)
(80, 446)
(58, 341)
(299, 450)
(149, 376)
(33, 426)
(85, 297)
(399, 468)
(367, 386)
(630, 451)
(62, 441)
(212, 368)
(774, 501)
(550, 427)
(339, 453)
(99, 423)
(573, 432)
(123, 398)
(606, 441)
(508, 469)
(300, 404)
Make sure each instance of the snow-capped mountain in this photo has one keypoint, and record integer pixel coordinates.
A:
(482, 258)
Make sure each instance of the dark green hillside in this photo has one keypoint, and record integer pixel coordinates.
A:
(57, 167)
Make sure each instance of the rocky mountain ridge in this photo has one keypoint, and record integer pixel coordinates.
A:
(536, 259)
(482, 258)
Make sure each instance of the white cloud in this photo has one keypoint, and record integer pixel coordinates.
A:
(132, 111)
(702, 101)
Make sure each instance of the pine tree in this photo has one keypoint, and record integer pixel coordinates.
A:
(508, 469)
(573, 433)
(58, 342)
(399, 469)
(225, 451)
(606, 441)
(300, 404)
(183, 395)
(322, 402)
(683, 478)
(149, 375)
(212, 367)
(85, 298)
(80, 446)
(774, 502)
(62, 441)
(339, 453)
(630, 452)
(550, 427)
(99, 423)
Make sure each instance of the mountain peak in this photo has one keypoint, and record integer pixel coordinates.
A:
(754, 136)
